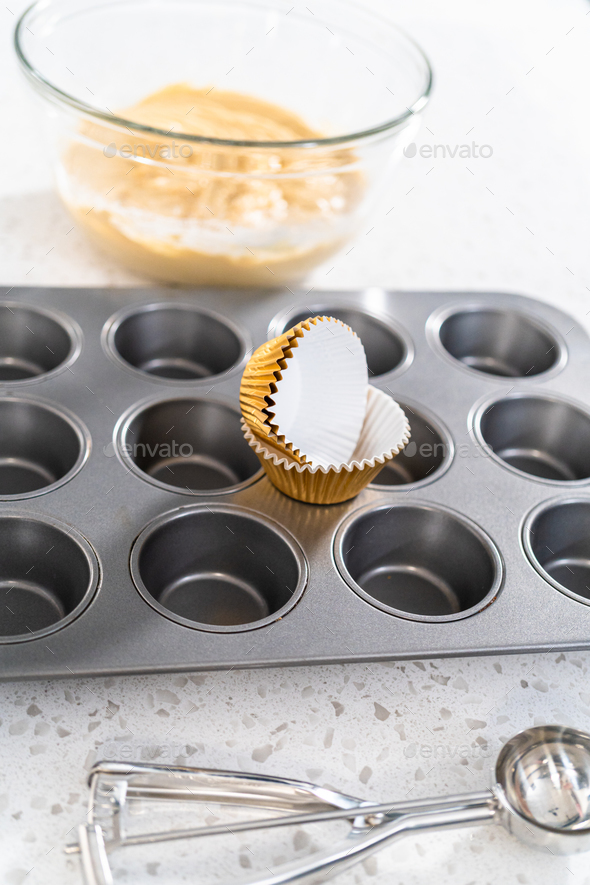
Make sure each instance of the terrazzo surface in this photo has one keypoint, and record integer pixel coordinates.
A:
(512, 75)
(377, 731)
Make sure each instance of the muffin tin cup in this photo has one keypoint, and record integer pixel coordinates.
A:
(189, 445)
(35, 343)
(221, 569)
(205, 564)
(388, 347)
(174, 342)
(424, 459)
(418, 561)
(42, 446)
(545, 437)
(49, 574)
(496, 343)
(556, 538)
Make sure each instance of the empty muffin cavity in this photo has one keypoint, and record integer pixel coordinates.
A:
(41, 447)
(220, 569)
(190, 445)
(418, 561)
(177, 342)
(34, 342)
(539, 435)
(557, 541)
(499, 342)
(48, 574)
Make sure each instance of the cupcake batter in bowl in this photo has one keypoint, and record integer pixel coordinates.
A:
(208, 213)
(222, 143)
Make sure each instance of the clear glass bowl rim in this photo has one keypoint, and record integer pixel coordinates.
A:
(46, 87)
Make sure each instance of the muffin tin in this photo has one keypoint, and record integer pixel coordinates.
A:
(138, 532)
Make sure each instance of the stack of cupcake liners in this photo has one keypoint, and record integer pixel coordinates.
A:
(319, 429)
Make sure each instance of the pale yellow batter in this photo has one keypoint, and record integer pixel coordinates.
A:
(208, 214)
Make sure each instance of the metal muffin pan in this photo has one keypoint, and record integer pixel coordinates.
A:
(138, 532)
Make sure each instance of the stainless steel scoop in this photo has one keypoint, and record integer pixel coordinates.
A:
(541, 795)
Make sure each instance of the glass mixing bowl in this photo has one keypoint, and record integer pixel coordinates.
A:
(177, 206)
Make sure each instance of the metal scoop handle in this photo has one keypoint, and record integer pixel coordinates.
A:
(364, 839)
(112, 784)
(461, 811)
(541, 795)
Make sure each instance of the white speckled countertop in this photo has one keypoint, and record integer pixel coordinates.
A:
(513, 75)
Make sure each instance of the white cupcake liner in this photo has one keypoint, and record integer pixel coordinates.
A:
(384, 433)
(320, 400)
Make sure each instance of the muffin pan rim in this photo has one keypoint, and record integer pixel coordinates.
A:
(421, 504)
(75, 423)
(444, 312)
(230, 509)
(94, 582)
(114, 322)
(68, 324)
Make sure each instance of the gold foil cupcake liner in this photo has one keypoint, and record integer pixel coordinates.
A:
(326, 419)
(384, 433)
